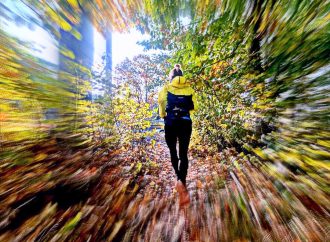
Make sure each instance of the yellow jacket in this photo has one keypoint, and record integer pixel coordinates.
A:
(178, 86)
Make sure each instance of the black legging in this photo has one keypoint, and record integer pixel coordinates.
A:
(179, 130)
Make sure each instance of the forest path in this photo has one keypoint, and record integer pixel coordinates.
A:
(134, 199)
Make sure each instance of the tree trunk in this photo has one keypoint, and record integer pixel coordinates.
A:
(255, 49)
(108, 64)
(83, 51)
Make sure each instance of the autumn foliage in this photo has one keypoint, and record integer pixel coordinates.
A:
(76, 167)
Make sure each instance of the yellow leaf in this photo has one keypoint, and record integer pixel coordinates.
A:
(40, 157)
(73, 3)
(316, 163)
(260, 153)
(76, 34)
(324, 143)
(68, 53)
(72, 223)
(116, 229)
(58, 19)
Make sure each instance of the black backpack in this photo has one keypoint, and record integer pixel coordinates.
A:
(178, 107)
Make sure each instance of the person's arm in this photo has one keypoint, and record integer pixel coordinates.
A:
(194, 99)
(162, 101)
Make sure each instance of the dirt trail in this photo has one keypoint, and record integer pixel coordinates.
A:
(135, 200)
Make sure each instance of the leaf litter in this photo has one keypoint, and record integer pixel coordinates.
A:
(130, 195)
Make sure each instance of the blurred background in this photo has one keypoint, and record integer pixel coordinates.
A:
(81, 152)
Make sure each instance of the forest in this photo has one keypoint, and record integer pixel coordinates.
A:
(76, 166)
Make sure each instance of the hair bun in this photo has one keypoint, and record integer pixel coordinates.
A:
(174, 72)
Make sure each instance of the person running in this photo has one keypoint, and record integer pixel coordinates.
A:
(176, 102)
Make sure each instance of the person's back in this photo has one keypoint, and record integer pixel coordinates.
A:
(176, 102)
(177, 92)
